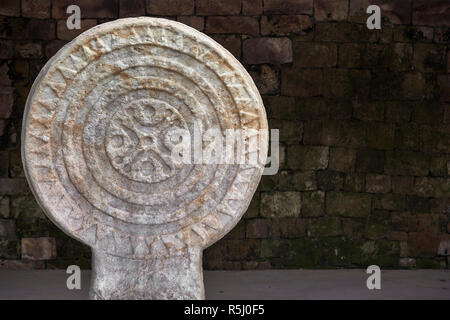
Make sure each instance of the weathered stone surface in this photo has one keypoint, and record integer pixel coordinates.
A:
(397, 11)
(357, 10)
(7, 229)
(314, 54)
(231, 24)
(432, 13)
(280, 204)
(252, 7)
(131, 8)
(288, 6)
(267, 50)
(307, 157)
(36, 8)
(63, 33)
(98, 145)
(285, 25)
(266, 79)
(230, 42)
(377, 183)
(212, 7)
(348, 204)
(330, 10)
(301, 82)
(10, 8)
(313, 203)
(43, 248)
(342, 159)
(89, 9)
(193, 21)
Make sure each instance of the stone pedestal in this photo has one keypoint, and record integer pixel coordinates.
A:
(174, 278)
(101, 142)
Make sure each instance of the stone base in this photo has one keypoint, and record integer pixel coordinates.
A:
(175, 277)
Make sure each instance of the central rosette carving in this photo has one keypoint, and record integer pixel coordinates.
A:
(139, 142)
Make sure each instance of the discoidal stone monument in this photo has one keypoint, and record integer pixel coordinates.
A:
(97, 152)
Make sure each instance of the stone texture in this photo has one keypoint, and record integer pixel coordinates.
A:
(314, 55)
(307, 157)
(131, 8)
(348, 204)
(66, 34)
(286, 25)
(281, 204)
(89, 9)
(342, 159)
(40, 9)
(139, 193)
(7, 229)
(252, 7)
(378, 183)
(330, 10)
(211, 7)
(266, 79)
(267, 50)
(397, 11)
(230, 24)
(38, 248)
(433, 13)
(301, 82)
(193, 21)
(170, 7)
(10, 8)
(288, 6)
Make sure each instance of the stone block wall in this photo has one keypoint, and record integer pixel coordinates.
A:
(364, 119)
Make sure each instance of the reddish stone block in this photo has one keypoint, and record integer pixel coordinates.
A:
(10, 8)
(7, 229)
(377, 183)
(214, 7)
(36, 8)
(13, 186)
(28, 50)
(330, 10)
(6, 49)
(193, 21)
(21, 265)
(444, 85)
(226, 25)
(52, 47)
(301, 82)
(42, 29)
(285, 25)
(288, 6)
(252, 7)
(63, 33)
(310, 55)
(38, 248)
(232, 43)
(131, 8)
(4, 74)
(170, 7)
(342, 159)
(6, 102)
(423, 243)
(267, 50)
(397, 11)
(431, 12)
(357, 10)
(266, 79)
(89, 9)
(403, 185)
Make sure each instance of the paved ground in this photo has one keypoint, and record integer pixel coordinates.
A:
(270, 284)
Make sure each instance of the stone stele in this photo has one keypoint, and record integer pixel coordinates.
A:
(97, 152)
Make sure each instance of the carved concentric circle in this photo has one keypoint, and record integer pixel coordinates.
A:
(101, 127)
